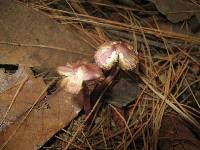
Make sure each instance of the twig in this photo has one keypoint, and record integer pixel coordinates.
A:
(42, 46)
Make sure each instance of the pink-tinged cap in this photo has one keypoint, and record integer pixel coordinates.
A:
(76, 74)
(110, 53)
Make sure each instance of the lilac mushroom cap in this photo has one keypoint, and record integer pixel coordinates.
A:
(76, 74)
(111, 53)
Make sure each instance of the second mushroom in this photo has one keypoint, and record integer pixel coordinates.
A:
(114, 56)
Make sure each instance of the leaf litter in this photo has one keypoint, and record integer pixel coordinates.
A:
(37, 42)
(168, 71)
(49, 114)
(27, 113)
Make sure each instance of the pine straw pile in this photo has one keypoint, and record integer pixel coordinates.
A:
(168, 70)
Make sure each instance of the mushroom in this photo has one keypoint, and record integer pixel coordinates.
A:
(75, 77)
(114, 56)
(116, 53)
(76, 74)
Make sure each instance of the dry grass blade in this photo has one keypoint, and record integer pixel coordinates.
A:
(42, 46)
(188, 55)
(120, 26)
(140, 128)
(88, 116)
(122, 118)
(174, 107)
(103, 135)
(81, 126)
(193, 94)
(76, 146)
(192, 83)
(88, 143)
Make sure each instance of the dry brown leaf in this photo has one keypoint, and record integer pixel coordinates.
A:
(32, 38)
(43, 122)
(124, 92)
(23, 101)
(46, 118)
(175, 135)
(177, 10)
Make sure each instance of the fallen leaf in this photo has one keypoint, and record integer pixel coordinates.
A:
(174, 134)
(123, 92)
(47, 118)
(29, 126)
(32, 38)
(177, 10)
(191, 29)
(26, 96)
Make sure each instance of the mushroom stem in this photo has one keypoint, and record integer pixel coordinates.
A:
(86, 99)
(99, 88)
